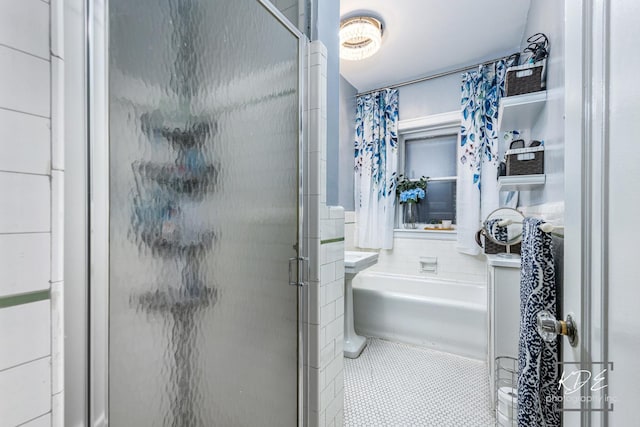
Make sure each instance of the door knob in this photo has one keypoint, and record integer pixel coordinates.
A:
(549, 328)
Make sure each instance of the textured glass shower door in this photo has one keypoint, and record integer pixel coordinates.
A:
(204, 125)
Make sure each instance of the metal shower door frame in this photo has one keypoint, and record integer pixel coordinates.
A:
(97, 69)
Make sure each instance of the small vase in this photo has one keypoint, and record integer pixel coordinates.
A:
(410, 215)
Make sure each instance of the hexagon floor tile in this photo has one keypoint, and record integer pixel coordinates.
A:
(400, 385)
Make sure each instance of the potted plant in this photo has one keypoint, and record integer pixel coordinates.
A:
(410, 192)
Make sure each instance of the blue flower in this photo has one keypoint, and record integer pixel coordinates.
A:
(412, 195)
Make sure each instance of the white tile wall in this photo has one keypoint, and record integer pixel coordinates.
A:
(332, 323)
(25, 392)
(24, 82)
(24, 263)
(57, 410)
(24, 203)
(57, 225)
(350, 230)
(24, 143)
(332, 313)
(326, 288)
(57, 337)
(315, 336)
(57, 112)
(18, 19)
(57, 28)
(32, 212)
(57, 210)
(24, 333)
(405, 256)
(43, 421)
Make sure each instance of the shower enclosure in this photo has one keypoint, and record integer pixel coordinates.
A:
(196, 313)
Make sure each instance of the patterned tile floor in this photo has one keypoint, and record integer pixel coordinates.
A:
(399, 385)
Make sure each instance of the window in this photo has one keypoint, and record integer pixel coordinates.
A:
(434, 157)
(428, 147)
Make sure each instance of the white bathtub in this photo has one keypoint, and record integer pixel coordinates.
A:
(443, 315)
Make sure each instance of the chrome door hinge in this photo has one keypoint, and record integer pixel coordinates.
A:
(302, 265)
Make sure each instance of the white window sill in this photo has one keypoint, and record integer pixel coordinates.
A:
(419, 233)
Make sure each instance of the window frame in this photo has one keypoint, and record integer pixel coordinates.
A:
(432, 126)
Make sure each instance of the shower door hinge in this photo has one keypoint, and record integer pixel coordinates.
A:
(302, 265)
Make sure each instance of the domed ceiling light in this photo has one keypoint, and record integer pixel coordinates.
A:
(360, 37)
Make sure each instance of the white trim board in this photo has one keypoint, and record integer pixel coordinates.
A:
(432, 123)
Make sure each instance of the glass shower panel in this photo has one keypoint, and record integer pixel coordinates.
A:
(204, 136)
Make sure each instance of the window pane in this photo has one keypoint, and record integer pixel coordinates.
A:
(433, 157)
(440, 203)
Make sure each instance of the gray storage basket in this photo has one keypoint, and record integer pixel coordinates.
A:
(525, 161)
(526, 78)
(496, 248)
(491, 247)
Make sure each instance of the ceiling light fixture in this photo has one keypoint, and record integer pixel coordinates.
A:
(360, 37)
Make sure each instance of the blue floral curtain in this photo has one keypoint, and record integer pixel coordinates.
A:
(477, 190)
(376, 167)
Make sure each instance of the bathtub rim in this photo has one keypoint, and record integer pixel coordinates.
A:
(387, 327)
(421, 278)
(478, 304)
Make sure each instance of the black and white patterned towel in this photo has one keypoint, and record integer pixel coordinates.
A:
(498, 232)
(537, 364)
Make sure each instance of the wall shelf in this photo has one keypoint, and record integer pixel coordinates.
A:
(520, 111)
(521, 182)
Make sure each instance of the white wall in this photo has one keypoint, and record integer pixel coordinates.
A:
(440, 95)
(347, 112)
(547, 16)
(327, 22)
(31, 212)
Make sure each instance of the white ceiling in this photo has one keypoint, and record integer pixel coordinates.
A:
(423, 37)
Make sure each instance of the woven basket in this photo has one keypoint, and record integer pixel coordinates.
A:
(490, 247)
(495, 248)
(526, 78)
(525, 161)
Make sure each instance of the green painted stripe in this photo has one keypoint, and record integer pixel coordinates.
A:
(14, 300)
(336, 240)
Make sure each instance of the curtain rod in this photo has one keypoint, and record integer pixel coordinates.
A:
(435, 76)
